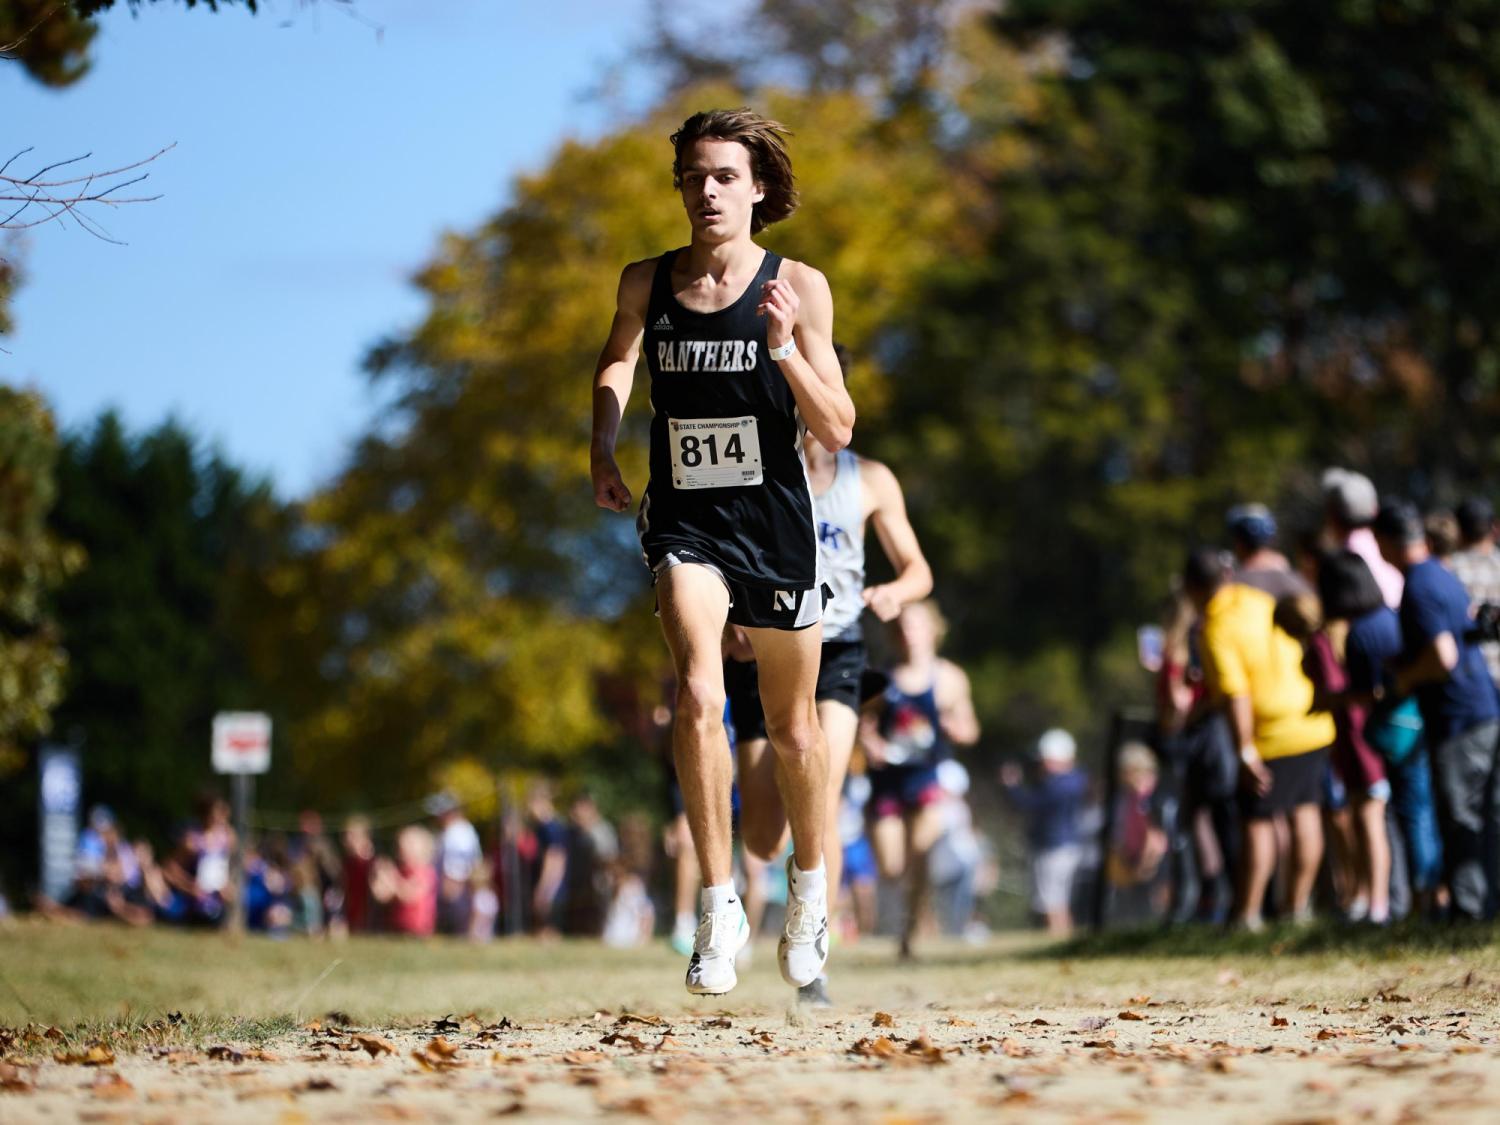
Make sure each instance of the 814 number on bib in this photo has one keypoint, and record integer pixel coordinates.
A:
(715, 452)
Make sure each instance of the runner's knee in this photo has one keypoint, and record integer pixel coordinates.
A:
(795, 738)
(700, 702)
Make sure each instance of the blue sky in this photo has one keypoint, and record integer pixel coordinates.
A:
(317, 163)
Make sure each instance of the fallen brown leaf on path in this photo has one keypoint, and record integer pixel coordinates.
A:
(1280, 1021)
(634, 1042)
(643, 1105)
(955, 1021)
(1016, 1098)
(582, 1058)
(883, 1019)
(1143, 999)
(438, 1054)
(222, 1053)
(881, 1047)
(110, 1084)
(634, 1017)
(374, 1045)
(923, 1048)
(314, 1085)
(718, 1023)
(447, 1023)
(97, 1054)
(1129, 1014)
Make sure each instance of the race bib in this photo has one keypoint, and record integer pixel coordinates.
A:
(714, 452)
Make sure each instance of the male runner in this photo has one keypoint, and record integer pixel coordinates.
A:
(739, 345)
(849, 492)
(927, 708)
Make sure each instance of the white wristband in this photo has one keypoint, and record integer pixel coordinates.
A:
(784, 352)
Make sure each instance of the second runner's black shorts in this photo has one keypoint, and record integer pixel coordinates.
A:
(840, 671)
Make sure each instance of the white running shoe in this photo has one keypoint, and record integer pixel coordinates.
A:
(803, 949)
(721, 935)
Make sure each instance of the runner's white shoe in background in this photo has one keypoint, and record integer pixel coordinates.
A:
(803, 949)
(682, 935)
(720, 937)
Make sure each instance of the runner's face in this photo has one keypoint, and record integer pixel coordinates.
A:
(917, 630)
(718, 191)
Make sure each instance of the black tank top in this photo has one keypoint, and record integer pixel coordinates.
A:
(727, 478)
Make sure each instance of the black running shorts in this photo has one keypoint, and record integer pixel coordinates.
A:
(754, 607)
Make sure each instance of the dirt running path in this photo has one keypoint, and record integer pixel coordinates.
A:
(1388, 1059)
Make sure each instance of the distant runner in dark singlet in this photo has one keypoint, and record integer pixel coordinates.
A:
(739, 346)
(926, 710)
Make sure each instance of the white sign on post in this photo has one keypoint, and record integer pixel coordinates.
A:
(242, 742)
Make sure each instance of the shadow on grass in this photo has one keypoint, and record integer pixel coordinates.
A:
(1405, 938)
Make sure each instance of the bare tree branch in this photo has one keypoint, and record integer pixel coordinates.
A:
(14, 158)
(62, 199)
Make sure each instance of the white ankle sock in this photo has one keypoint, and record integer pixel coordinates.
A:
(809, 884)
(717, 898)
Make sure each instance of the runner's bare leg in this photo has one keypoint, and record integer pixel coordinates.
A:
(788, 662)
(840, 724)
(694, 605)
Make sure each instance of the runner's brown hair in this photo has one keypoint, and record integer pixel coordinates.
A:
(764, 139)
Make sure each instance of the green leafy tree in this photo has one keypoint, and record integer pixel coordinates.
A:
(52, 38)
(1230, 244)
(158, 625)
(33, 562)
(33, 663)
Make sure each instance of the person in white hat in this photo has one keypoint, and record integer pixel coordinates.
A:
(1051, 806)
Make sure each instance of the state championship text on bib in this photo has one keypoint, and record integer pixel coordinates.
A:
(715, 452)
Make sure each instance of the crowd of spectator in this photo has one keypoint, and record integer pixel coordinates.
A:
(544, 872)
(1326, 721)
(1324, 741)
(547, 874)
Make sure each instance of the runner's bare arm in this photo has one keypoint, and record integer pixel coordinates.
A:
(956, 705)
(870, 738)
(799, 306)
(913, 580)
(613, 377)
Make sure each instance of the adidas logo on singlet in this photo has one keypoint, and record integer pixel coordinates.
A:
(663, 324)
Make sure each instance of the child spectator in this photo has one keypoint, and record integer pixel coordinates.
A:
(1052, 808)
(408, 888)
(1138, 843)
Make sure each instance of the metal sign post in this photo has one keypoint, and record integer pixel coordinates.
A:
(241, 748)
(60, 789)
